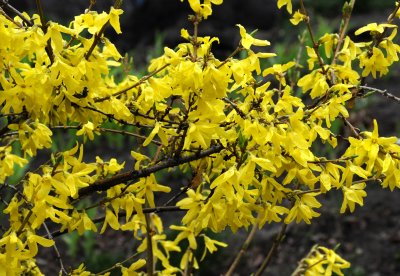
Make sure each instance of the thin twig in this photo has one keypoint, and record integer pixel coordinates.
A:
(314, 43)
(195, 43)
(382, 92)
(393, 14)
(303, 266)
(234, 106)
(97, 36)
(189, 263)
(352, 128)
(62, 269)
(19, 25)
(116, 265)
(343, 27)
(5, 4)
(364, 180)
(278, 239)
(142, 80)
(159, 209)
(24, 222)
(111, 130)
(242, 251)
(299, 193)
(339, 160)
(48, 48)
(237, 50)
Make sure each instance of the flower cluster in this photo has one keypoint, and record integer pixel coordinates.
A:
(239, 128)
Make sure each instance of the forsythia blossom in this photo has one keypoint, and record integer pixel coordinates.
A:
(241, 132)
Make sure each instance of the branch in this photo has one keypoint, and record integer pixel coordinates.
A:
(314, 43)
(347, 10)
(159, 209)
(49, 50)
(97, 36)
(62, 269)
(272, 250)
(142, 80)
(237, 50)
(105, 184)
(101, 129)
(19, 25)
(352, 128)
(235, 107)
(243, 250)
(5, 4)
(382, 92)
(117, 265)
(150, 253)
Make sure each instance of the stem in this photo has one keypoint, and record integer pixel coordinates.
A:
(343, 27)
(234, 106)
(364, 180)
(352, 128)
(393, 14)
(339, 160)
(303, 266)
(150, 253)
(299, 193)
(101, 129)
(105, 184)
(315, 44)
(49, 49)
(4, 3)
(382, 92)
(237, 50)
(62, 269)
(189, 263)
(98, 36)
(142, 80)
(159, 209)
(24, 222)
(9, 18)
(196, 20)
(272, 250)
(242, 251)
(116, 265)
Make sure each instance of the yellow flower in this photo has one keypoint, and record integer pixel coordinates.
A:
(87, 130)
(297, 18)
(323, 261)
(288, 4)
(373, 63)
(131, 271)
(247, 40)
(374, 28)
(303, 209)
(352, 195)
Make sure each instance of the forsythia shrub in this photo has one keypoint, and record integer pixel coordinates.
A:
(240, 130)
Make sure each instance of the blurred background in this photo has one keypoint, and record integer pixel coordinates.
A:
(369, 238)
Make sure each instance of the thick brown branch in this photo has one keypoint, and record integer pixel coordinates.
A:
(150, 253)
(105, 184)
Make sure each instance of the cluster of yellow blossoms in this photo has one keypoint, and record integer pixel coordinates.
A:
(241, 130)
